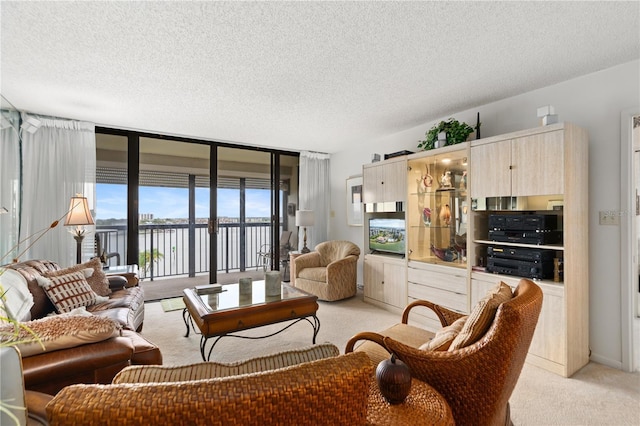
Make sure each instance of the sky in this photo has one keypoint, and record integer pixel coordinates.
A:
(172, 203)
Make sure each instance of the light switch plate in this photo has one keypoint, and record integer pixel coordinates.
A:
(609, 217)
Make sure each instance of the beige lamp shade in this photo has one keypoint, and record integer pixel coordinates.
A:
(305, 218)
(79, 213)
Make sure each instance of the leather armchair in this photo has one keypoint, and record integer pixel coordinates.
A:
(330, 271)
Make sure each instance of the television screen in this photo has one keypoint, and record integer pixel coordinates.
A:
(387, 235)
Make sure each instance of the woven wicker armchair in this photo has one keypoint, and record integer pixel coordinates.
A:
(330, 271)
(476, 380)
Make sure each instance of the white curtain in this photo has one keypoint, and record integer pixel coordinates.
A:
(58, 161)
(9, 183)
(314, 194)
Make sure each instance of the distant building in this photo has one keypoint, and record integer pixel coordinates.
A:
(142, 217)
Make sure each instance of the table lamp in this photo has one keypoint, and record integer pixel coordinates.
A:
(305, 218)
(79, 215)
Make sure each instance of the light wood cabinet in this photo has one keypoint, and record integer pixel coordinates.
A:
(385, 282)
(442, 285)
(437, 218)
(525, 165)
(491, 173)
(548, 175)
(549, 346)
(385, 182)
(541, 171)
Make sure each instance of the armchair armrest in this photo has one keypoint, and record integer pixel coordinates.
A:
(365, 335)
(446, 316)
(307, 260)
(35, 403)
(117, 282)
(340, 263)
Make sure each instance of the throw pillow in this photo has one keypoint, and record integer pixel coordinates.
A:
(70, 291)
(209, 370)
(482, 316)
(443, 338)
(58, 332)
(17, 298)
(98, 281)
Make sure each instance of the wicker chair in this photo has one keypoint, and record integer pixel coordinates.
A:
(476, 380)
(329, 391)
(330, 271)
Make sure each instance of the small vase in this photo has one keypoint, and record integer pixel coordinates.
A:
(426, 216)
(394, 380)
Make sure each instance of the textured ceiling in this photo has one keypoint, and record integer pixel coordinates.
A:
(297, 75)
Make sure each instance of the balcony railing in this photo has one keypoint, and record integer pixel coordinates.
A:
(164, 249)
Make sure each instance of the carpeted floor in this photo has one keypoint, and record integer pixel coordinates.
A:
(596, 395)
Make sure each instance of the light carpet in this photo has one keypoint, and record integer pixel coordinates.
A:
(596, 395)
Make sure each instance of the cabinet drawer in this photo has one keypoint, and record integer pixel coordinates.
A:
(448, 299)
(455, 281)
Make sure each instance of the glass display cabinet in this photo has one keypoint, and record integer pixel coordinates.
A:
(438, 206)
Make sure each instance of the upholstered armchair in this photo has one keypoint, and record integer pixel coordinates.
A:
(475, 374)
(330, 271)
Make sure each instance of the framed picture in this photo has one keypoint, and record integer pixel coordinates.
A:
(355, 208)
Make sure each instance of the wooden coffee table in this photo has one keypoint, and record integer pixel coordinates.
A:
(226, 313)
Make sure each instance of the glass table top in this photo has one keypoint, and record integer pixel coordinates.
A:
(230, 297)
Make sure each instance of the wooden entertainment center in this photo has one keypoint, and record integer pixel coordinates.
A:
(446, 199)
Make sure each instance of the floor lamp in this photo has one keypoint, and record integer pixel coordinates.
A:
(305, 218)
(79, 215)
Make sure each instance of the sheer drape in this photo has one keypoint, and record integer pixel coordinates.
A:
(315, 195)
(59, 160)
(9, 182)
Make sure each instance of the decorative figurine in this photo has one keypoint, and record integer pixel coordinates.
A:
(445, 179)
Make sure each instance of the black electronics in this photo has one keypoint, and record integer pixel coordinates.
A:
(397, 154)
(520, 253)
(523, 222)
(524, 228)
(524, 262)
(520, 268)
(526, 237)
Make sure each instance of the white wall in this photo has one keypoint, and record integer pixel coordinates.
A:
(593, 102)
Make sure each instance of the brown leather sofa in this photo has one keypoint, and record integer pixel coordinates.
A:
(93, 362)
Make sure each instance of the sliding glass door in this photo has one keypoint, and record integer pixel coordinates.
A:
(191, 208)
(174, 200)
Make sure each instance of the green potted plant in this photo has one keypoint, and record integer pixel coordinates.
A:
(456, 132)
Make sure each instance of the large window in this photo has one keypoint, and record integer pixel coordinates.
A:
(171, 205)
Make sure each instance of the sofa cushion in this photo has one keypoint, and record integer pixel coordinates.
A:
(405, 333)
(59, 332)
(125, 306)
(482, 316)
(445, 336)
(70, 291)
(314, 274)
(210, 370)
(17, 298)
(97, 281)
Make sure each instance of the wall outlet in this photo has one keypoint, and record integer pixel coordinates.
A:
(610, 217)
